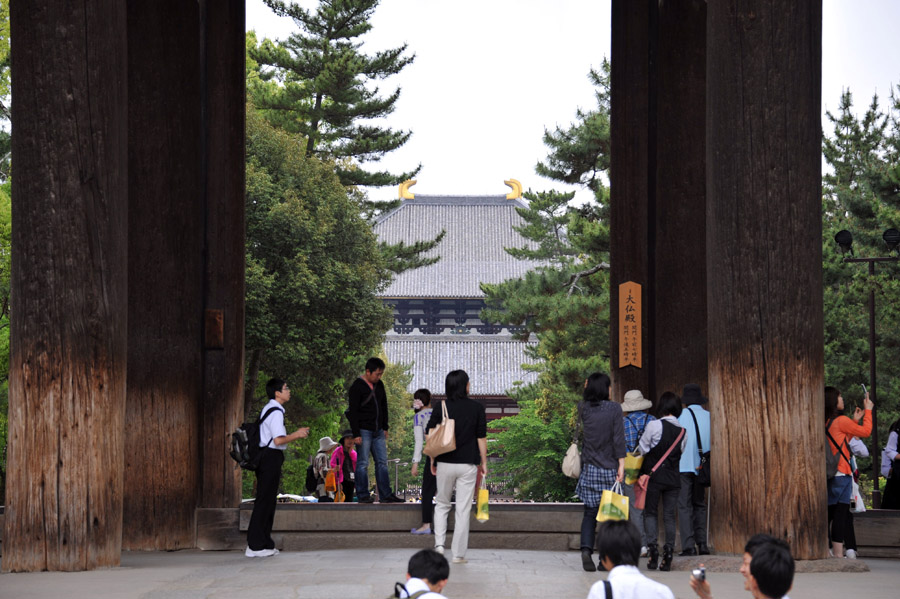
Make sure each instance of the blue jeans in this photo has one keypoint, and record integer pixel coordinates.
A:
(374, 442)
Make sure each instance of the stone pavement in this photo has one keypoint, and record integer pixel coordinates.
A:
(363, 574)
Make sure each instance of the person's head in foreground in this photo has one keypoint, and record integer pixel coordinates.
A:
(768, 569)
(619, 544)
(752, 544)
(771, 570)
(431, 567)
(619, 547)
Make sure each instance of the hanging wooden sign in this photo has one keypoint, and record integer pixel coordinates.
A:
(629, 324)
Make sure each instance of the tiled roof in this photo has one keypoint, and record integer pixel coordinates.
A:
(478, 228)
(493, 362)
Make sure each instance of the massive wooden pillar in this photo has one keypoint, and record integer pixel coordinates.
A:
(658, 190)
(678, 242)
(223, 373)
(764, 268)
(629, 180)
(165, 264)
(69, 280)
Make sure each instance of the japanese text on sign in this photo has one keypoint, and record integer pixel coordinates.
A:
(629, 324)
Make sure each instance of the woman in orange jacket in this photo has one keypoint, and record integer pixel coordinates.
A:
(840, 429)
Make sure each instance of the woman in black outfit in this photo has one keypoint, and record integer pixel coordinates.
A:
(659, 437)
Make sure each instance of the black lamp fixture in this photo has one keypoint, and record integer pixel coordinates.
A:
(844, 239)
(892, 239)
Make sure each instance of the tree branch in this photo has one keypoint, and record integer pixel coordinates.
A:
(573, 280)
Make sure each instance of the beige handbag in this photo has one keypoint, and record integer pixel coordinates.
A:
(442, 438)
(571, 464)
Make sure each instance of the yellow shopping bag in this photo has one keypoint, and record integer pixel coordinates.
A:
(481, 508)
(632, 468)
(613, 505)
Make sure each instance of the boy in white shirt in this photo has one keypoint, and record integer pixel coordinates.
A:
(619, 548)
(426, 576)
(274, 438)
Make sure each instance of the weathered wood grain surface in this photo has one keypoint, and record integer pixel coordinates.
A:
(69, 276)
(764, 249)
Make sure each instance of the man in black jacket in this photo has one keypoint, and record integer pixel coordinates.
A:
(368, 416)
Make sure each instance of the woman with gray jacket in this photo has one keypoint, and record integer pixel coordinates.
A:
(602, 456)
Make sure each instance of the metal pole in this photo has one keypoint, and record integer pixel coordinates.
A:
(873, 393)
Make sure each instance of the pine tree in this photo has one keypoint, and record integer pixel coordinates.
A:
(318, 83)
(564, 304)
(861, 193)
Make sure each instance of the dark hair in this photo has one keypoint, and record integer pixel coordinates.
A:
(597, 388)
(756, 540)
(773, 568)
(428, 565)
(620, 541)
(895, 428)
(423, 395)
(455, 385)
(831, 401)
(373, 364)
(669, 405)
(273, 386)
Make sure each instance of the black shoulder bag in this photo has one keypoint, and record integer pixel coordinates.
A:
(703, 472)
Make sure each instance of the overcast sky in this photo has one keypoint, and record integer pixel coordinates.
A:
(490, 75)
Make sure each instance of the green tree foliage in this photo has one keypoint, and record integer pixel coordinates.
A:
(862, 195)
(313, 268)
(579, 153)
(319, 84)
(564, 303)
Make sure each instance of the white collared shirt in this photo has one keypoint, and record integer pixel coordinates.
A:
(653, 434)
(414, 585)
(272, 426)
(627, 582)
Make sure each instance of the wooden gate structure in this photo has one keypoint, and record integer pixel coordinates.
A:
(128, 257)
(716, 214)
(128, 235)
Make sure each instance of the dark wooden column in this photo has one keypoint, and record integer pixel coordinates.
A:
(764, 265)
(224, 291)
(678, 238)
(69, 276)
(166, 275)
(629, 179)
(658, 189)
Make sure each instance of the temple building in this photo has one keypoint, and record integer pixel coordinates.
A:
(437, 325)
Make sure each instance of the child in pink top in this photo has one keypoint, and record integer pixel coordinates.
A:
(345, 470)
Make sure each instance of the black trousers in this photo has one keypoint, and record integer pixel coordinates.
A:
(429, 488)
(268, 476)
(349, 487)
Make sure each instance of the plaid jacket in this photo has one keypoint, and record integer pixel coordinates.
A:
(635, 422)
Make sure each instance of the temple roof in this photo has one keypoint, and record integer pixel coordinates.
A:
(478, 228)
(493, 362)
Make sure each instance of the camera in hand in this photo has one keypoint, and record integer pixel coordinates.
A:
(699, 574)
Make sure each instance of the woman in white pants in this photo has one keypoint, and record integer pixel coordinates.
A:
(458, 469)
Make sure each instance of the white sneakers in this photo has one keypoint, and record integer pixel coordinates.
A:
(460, 560)
(261, 553)
(850, 554)
(439, 549)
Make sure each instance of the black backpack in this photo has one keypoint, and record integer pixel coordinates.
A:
(311, 482)
(400, 590)
(245, 447)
